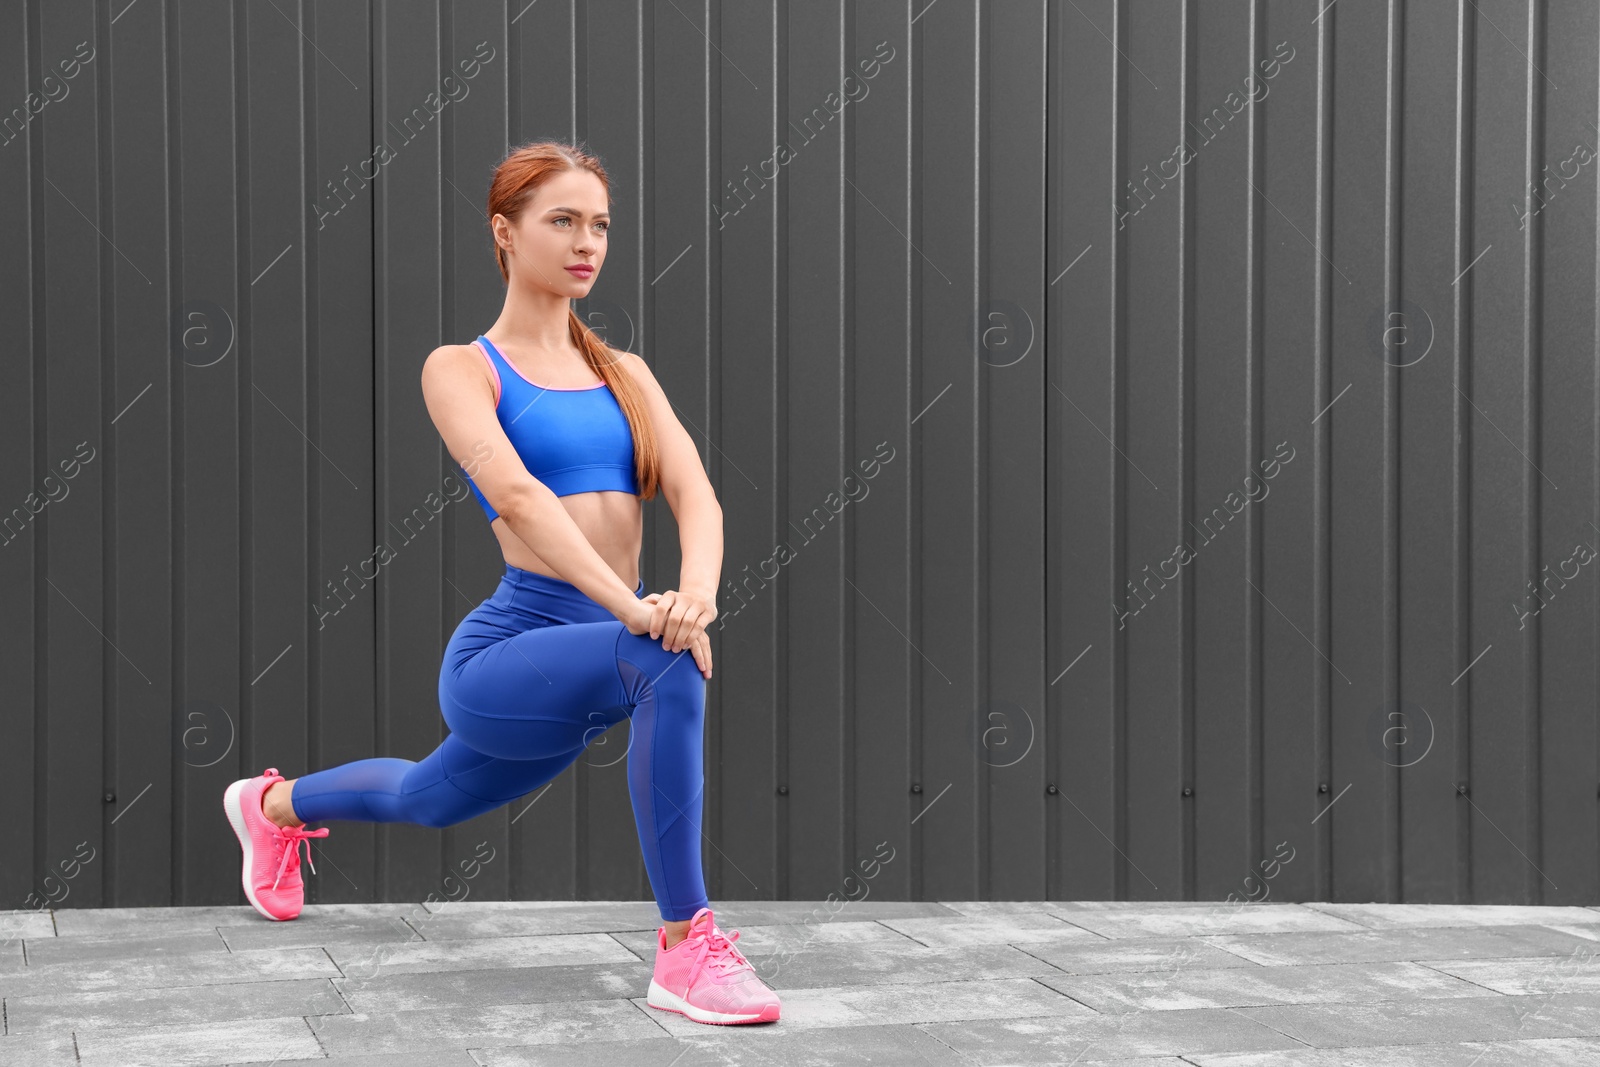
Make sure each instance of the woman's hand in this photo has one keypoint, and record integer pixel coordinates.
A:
(652, 616)
(679, 616)
(700, 645)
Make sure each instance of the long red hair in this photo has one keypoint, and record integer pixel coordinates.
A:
(516, 179)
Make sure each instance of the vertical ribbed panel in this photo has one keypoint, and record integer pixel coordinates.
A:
(1124, 486)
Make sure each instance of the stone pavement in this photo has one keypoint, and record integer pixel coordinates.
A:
(454, 984)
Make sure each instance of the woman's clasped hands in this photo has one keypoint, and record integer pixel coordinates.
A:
(680, 619)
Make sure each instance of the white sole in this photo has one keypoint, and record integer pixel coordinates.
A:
(235, 810)
(661, 998)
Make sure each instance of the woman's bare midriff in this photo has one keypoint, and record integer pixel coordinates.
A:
(612, 522)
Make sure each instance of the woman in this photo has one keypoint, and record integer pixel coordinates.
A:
(568, 645)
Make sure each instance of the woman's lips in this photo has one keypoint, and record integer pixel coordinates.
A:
(582, 272)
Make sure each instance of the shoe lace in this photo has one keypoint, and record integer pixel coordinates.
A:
(287, 842)
(716, 951)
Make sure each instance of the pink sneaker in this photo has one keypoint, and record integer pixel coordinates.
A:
(705, 978)
(271, 852)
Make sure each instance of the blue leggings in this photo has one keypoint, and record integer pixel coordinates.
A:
(530, 677)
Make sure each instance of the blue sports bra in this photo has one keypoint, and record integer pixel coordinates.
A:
(572, 440)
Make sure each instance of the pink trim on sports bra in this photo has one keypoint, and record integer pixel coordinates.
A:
(536, 385)
(495, 370)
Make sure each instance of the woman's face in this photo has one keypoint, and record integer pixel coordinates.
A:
(563, 226)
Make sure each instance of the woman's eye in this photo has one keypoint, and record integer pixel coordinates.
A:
(560, 218)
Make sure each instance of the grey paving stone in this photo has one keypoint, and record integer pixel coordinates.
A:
(39, 1050)
(49, 951)
(1417, 1022)
(1016, 928)
(1587, 931)
(11, 955)
(1115, 906)
(1390, 916)
(1136, 1061)
(404, 909)
(755, 1045)
(434, 1058)
(150, 922)
(1091, 1037)
(159, 922)
(632, 909)
(1199, 919)
(578, 1021)
(643, 914)
(551, 950)
(16, 925)
(517, 919)
(1329, 983)
(312, 930)
(471, 919)
(895, 964)
(1385, 946)
(158, 972)
(1104, 907)
(186, 1006)
(282, 1040)
(1007, 998)
(1551, 1052)
(387, 993)
(1005, 983)
(992, 908)
(1578, 973)
(1100, 956)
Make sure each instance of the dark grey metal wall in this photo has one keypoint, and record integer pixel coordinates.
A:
(1157, 439)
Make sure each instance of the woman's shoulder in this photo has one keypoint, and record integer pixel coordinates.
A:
(453, 353)
(453, 361)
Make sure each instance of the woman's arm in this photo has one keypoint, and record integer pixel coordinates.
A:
(699, 518)
(694, 505)
(536, 515)
(685, 486)
(460, 400)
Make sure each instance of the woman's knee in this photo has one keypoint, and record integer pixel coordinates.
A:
(649, 671)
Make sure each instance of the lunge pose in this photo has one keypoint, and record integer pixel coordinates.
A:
(562, 439)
